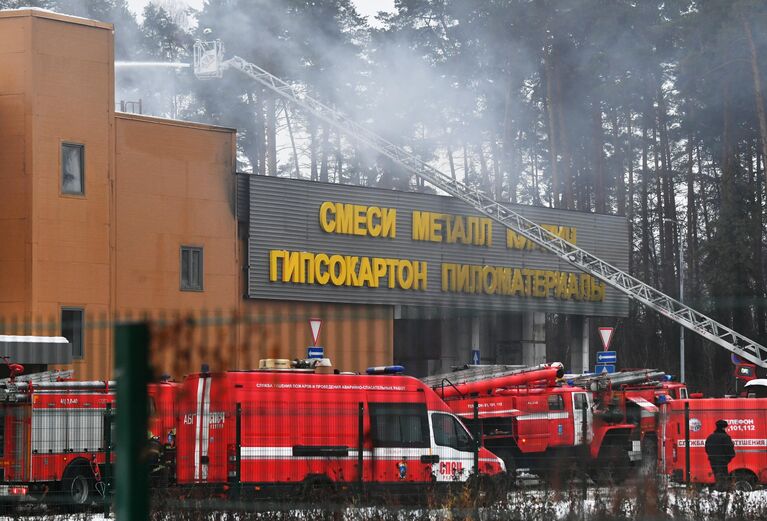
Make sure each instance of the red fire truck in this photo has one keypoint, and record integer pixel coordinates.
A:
(54, 442)
(746, 424)
(637, 394)
(532, 419)
(259, 432)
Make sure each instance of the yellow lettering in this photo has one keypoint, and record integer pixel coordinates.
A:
(359, 220)
(374, 221)
(352, 277)
(420, 280)
(448, 276)
(337, 270)
(421, 226)
(321, 275)
(489, 280)
(462, 283)
(391, 265)
(366, 274)
(274, 255)
(379, 270)
(291, 267)
(405, 267)
(486, 231)
(344, 218)
(326, 223)
(389, 222)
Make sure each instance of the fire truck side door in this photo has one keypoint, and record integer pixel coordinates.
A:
(401, 442)
(581, 403)
(454, 445)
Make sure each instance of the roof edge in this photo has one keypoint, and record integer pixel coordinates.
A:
(173, 122)
(51, 15)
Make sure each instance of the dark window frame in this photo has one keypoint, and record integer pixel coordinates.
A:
(579, 400)
(78, 348)
(388, 412)
(81, 147)
(186, 282)
(559, 406)
(459, 427)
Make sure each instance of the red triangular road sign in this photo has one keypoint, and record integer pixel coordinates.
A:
(315, 324)
(606, 335)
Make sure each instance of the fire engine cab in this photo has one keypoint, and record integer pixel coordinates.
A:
(264, 430)
(636, 395)
(533, 420)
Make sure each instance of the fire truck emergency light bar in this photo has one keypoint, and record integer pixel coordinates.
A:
(209, 63)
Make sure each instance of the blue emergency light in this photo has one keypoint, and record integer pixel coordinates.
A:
(385, 369)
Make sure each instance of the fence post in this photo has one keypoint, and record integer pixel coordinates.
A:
(238, 447)
(587, 445)
(360, 446)
(132, 372)
(687, 442)
(107, 475)
(477, 437)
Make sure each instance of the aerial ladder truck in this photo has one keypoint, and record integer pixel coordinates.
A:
(209, 63)
(539, 422)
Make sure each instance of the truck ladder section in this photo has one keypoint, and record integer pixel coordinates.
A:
(42, 377)
(209, 63)
(476, 373)
(601, 382)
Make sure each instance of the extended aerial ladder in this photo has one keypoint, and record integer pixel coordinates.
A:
(601, 382)
(484, 379)
(209, 63)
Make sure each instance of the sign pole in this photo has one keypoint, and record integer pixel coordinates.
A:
(315, 351)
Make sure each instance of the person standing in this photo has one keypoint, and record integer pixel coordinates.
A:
(720, 451)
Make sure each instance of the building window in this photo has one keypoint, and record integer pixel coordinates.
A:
(191, 268)
(72, 169)
(72, 327)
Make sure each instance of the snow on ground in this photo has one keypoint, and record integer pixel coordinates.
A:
(604, 504)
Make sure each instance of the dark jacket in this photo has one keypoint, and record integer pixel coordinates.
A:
(719, 448)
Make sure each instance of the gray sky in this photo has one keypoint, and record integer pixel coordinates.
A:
(367, 8)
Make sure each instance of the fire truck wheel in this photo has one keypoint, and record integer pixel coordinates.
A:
(743, 480)
(77, 484)
(612, 465)
(318, 488)
(649, 464)
(511, 469)
(483, 490)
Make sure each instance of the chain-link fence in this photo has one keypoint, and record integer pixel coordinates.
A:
(204, 413)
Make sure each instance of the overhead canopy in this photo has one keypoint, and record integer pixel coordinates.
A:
(36, 349)
(644, 404)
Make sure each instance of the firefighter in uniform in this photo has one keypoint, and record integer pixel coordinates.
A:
(720, 451)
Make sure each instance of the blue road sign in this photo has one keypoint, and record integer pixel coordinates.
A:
(315, 352)
(475, 359)
(607, 357)
(604, 368)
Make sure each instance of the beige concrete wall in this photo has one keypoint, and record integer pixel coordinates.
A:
(72, 99)
(174, 187)
(15, 167)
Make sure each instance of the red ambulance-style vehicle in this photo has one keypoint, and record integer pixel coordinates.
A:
(746, 424)
(53, 438)
(301, 431)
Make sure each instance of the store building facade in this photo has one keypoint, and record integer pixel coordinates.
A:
(104, 213)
